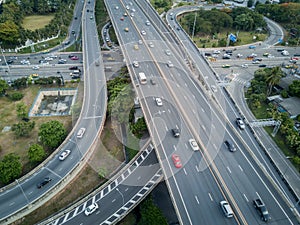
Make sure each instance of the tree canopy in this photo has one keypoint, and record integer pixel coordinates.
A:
(210, 22)
(10, 168)
(3, 86)
(52, 133)
(36, 153)
(294, 88)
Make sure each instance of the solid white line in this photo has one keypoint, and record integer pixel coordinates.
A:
(197, 168)
(113, 200)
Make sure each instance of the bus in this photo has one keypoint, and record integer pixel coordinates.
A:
(142, 78)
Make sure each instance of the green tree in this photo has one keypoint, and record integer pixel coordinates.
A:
(22, 110)
(36, 153)
(151, 214)
(3, 86)
(9, 32)
(52, 133)
(10, 168)
(294, 88)
(16, 96)
(22, 129)
(139, 128)
(273, 78)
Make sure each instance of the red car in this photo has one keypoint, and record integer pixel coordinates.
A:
(74, 57)
(176, 161)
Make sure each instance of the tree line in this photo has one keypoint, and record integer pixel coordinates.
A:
(287, 14)
(12, 13)
(211, 22)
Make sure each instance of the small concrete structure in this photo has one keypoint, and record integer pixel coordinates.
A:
(53, 102)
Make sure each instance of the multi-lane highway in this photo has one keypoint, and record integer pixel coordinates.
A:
(207, 176)
(235, 177)
(25, 196)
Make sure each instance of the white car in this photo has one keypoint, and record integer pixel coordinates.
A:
(135, 64)
(48, 59)
(170, 64)
(151, 45)
(91, 208)
(217, 52)
(214, 88)
(80, 133)
(194, 145)
(168, 52)
(158, 101)
(143, 32)
(35, 67)
(64, 155)
(148, 23)
(244, 65)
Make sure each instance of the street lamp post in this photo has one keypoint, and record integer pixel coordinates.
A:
(121, 195)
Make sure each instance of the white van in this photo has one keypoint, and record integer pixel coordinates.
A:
(226, 209)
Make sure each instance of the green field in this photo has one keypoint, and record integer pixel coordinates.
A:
(36, 21)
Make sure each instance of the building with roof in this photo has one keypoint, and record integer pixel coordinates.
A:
(291, 105)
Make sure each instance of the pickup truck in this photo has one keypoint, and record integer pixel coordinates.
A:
(240, 123)
(261, 208)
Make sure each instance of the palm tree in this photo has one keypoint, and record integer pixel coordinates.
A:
(273, 78)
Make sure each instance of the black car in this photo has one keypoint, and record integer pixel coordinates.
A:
(44, 182)
(73, 68)
(176, 132)
(70, 56)
(262, 65)
(230, 145)
(10, 61)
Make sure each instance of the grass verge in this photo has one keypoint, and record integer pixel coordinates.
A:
(35, 22)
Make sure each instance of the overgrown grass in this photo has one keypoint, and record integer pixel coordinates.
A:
(243, 39)
(35, 22)
(262, 112)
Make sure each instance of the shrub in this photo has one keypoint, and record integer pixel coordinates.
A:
(16, 96)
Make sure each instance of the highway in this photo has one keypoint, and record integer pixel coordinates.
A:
(196, 116)
(25, 195)
(196, 189)
(119, 195)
